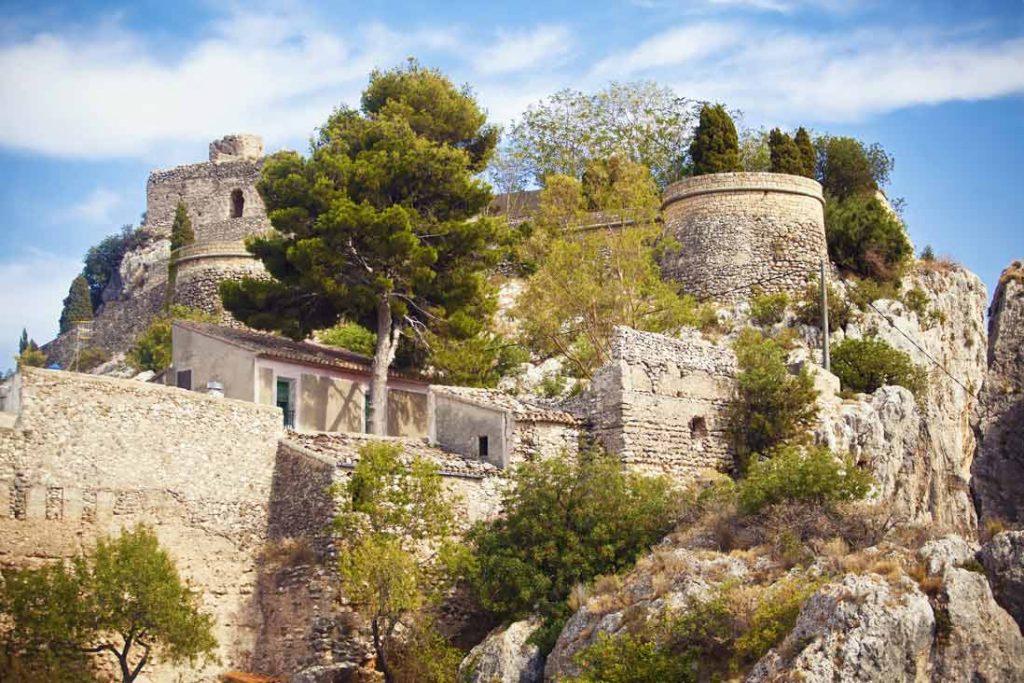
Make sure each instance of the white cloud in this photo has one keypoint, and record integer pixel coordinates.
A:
(96, 209)
(787, 6)
(521, 50)
(675, 47)
(32, 291)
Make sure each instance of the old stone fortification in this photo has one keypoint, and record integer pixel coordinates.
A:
(225, 209)
(89, 456)
(998, 481)
(738, 229)
(660, 403)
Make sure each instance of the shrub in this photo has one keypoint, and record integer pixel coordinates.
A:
(917, 301)
(808, 307)
(864, 365)
(866, 238)
(351, 336)
(566, 522)
(91, 358)
(768, 309)
(423, 655)
(867, 291)
(772, 406)
(152, 348)
(773, 617)
(715, 145)
(31, 357)
(810, 475)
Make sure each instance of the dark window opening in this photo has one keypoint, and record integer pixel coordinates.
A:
(237, 203)
(482, 445)
(184, 379)
(285, 403)
(698, 428)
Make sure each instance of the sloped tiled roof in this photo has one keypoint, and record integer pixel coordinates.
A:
(521, 408)
(343, 449)
(272, 346)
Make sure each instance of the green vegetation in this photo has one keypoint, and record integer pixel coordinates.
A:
(588, 282)
(77, 304)
(479, 361)
(808, 155)
(124, 598)
(785, 154)
(847, 168)
(397, 183)
(755, 154)
(807, 475)
(32, 357)
(927, 254)
(866, 238)
(715, 146)
(772, 406)
(103, 260)
(565, 523)
(713, 638)
(648, 124)
(182, 233)
(767, 309)
(394, 519)
(864, 365)
(91, 358)
(351, 336)
(152, 348)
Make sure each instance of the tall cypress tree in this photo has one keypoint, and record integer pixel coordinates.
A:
(380, 224)
(77, 304)
(23, 341)
(808, 155)
(715, 147)
(785, 154)
(181, 229)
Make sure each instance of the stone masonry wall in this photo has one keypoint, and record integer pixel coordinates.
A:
(659, 403)
(89, 456)
(533, 440)
(738, 229)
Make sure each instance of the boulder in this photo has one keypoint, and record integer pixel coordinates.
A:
(945, 553)
(1003, 559)
(505, 656)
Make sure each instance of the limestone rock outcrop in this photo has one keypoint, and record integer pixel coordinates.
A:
(1003, 559)
(505, 656)
(998, 481)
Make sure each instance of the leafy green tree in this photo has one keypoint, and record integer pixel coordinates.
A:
(181, 229)
(480, 361)
(640, 121)
(566, 522)
(846, 167)
(866, 238)
(103, 260)
(152, 348)
(807, 475)
(351, 336)
(864, 365)
(785, 154)
(772, 407)
(715, 146)
(124, 598)
(808, 155)
(394, 518)
(755, 154)
(77, 304)
(380, 224)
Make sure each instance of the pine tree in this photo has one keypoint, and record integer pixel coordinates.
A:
(785, 154)
(380, 224)
(77, 304)
(181, 229)
(808, 155)
(715, 146)
(23, 341)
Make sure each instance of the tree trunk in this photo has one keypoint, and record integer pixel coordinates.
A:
(383, 665)
(383, 355)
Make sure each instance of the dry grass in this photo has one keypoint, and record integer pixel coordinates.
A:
(288, 552)
(939, 264)
(1014, 272)
(992, 527)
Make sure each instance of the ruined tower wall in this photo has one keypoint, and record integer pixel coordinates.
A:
(738, 229)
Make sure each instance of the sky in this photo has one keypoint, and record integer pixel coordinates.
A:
(95, 95)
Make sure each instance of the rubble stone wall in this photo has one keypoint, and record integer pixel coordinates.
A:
(738, 229)
(660, 403)
(89, 456)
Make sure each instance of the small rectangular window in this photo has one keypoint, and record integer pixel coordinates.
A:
(483, 446)
(184, 379)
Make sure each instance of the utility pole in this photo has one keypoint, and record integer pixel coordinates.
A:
(825, 360)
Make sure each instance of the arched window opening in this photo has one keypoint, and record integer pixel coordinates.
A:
(237, 203)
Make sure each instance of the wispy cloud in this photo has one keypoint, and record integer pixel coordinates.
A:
(672, 48)
(96, 208)
(521, 50)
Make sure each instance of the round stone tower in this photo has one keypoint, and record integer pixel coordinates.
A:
(738, 230)
(225, 208)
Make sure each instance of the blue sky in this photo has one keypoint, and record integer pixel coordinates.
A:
(97, 94)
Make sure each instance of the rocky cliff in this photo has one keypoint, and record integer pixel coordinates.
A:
(998, 481)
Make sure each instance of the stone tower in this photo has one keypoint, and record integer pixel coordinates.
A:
(736, 230)
(225, 208)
